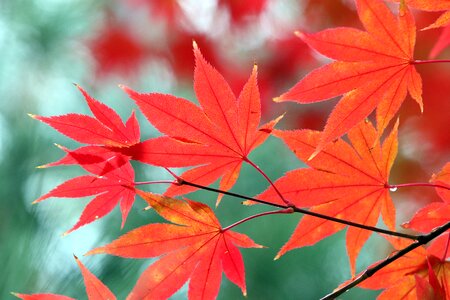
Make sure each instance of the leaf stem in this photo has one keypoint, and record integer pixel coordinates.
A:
(422, 240)
(306, 212)
(288, 210)
(394, 186)
(255, 166)
(429, 61)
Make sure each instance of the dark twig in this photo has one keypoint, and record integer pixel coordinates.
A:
(422, 240)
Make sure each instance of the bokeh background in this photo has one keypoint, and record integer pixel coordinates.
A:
(46, 45)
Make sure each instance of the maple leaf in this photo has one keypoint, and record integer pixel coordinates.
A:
(435, 214)
(106, 129)
(345, 181)
(195, 248)
(218, 136)
(110, 189)
(442, 21)
(374, 69)
(95, 289)
(433, 5)
(94, 159)
(415, 275)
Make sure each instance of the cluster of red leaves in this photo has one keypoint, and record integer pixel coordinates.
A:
(345, 180)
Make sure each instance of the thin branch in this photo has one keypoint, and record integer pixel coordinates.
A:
(288, 210)
(394, 186)
(255, 166)
(306, 212)
(422, 240)
(429, 61)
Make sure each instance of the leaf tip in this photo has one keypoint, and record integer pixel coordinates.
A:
(124, 88)
(402, 8)
(33, 116)
(314, 154)
(277, 99)
(194, 45)
(66, 233)
(277, 257)
(299, 34)
(15, 294)
(255, 67)
(147, 208)
(95, 251)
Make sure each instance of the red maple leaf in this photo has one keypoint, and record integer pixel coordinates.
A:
(94, 159)
(197, 248)
(95, 289)
(345, 181)
(113, 176)
(110, 189)
(218, 136)
(374, 69)
(105, 129)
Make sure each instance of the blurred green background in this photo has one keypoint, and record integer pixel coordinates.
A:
(46, 45)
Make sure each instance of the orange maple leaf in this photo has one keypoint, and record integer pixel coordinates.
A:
(374, 69)
(216, 137)
(433, 5)
(345, 181)
(442, 21)
(196, 248)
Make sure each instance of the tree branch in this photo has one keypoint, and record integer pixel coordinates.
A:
(422, 240)
(304, 211)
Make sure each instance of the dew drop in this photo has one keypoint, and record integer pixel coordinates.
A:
(393, 189)
(96, 217)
